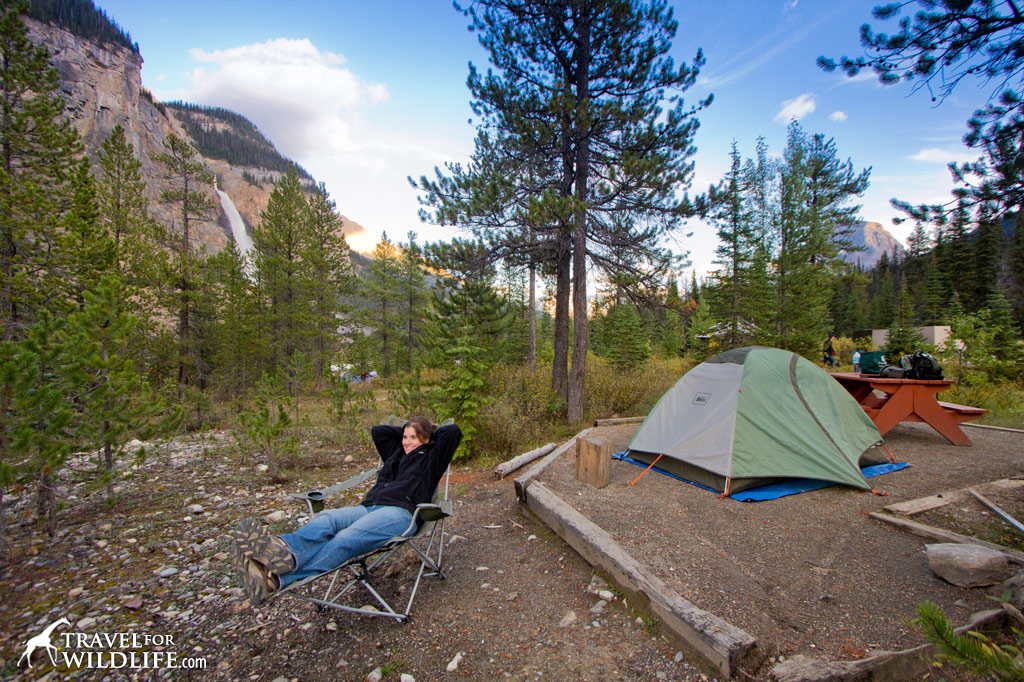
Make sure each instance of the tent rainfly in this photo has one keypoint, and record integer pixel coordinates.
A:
(750, 416)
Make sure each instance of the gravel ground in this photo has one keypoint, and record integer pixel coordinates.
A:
(778, 569)
(150, 566)
(810, 573)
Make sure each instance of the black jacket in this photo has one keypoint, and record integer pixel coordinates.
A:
(406, 480)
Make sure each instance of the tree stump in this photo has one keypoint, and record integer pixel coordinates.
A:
(593, 461)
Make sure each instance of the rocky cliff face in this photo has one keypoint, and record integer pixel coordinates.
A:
(102, 86)
(875, 241)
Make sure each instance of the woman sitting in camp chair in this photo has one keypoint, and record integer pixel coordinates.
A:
(414, 458)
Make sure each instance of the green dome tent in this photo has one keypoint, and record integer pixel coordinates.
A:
(753, 415)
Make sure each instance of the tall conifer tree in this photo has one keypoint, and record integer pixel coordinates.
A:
(382, 290)
(186, 173)
(328, 271)
(590, 85)
(38, 147)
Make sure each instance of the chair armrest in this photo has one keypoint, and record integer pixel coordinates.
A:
(432, 511)
(315, 498)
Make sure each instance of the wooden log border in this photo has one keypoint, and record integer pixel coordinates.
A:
(940, 535)
(992, 428)
(721, 644)
(524, 481)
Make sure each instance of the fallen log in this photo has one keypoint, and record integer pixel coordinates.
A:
(506, 468)
(618, 420)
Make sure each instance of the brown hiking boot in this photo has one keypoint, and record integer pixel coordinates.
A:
(259, 582)
(251, 539)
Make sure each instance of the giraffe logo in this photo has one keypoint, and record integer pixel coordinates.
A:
(42, 640)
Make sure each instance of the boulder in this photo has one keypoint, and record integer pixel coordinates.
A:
(967, 565)
(1015, 586)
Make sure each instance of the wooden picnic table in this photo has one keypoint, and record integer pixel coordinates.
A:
(909, 400)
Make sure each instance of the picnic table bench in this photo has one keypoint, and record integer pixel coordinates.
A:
(909, 400)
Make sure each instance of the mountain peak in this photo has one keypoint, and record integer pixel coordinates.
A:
(875, 240)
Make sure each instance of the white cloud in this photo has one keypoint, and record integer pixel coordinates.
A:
(317, 111)
(305, 98)
(796, 108)
(943, 156)
(837, 116)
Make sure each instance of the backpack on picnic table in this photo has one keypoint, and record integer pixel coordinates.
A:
(890, 372)
(871, 362)
(921, 365)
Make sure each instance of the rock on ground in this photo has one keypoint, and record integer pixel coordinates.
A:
(967, 565)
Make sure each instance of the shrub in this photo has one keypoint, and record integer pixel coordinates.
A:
(973, 652)
(611, 392)
(524, 412)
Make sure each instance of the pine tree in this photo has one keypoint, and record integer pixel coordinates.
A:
(903, 336)
(461, 395)
(235, 341)
(1017, 268)
(957, 252)
(38, 147)
(327, 265)
(121, 192)
(412, 287)
(672, 340)
(466, 302)
(816, 188)
(590, 85)
(279, 243)
(39, 413)
(986, 261)
(139, 259)
(112, 402)
(186, 174)
(699, 341)
(737, 243)
(850, 304)
(883, 300)
(1005, 337)
(380, 288)
(935, 293)
(627, 344)
(87, 250)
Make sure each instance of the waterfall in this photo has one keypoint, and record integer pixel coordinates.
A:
(242, 239)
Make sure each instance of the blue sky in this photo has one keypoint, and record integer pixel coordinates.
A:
(364, 94)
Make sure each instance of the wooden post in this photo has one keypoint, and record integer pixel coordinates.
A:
(593, 461)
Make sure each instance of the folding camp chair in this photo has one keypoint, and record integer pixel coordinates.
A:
(427, 541)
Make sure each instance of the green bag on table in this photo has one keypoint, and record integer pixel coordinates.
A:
(872, 362)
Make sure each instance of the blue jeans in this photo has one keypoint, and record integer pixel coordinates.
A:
(334, 536)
